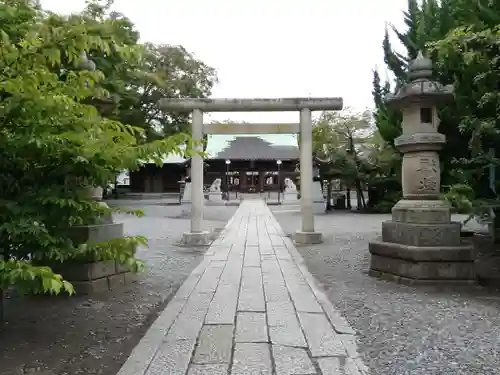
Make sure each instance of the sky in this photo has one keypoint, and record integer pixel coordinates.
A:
(271, 48)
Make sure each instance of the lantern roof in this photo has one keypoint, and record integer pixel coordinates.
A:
(422, 88)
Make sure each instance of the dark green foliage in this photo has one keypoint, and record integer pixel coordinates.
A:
(462, 38)
(387, 120)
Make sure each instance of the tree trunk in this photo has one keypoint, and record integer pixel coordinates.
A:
(363, 201)
(348, 198)
(359, 195)
(1, 308)
(329, 196)
(495, 226)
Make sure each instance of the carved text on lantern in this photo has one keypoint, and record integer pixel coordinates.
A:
(428, 171)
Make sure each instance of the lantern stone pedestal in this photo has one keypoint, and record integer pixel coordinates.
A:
(95, 277)
(421, 244)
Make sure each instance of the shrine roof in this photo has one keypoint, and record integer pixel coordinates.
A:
(172, 158)
(253, 147)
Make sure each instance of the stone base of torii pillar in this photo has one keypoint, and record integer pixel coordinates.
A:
(202, 238)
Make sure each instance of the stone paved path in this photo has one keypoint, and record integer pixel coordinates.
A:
(251, 307)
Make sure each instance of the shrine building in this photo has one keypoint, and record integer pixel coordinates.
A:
(245, 163)
(252, 163)
(150, 178)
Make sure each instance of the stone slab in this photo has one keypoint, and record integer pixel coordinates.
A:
(462, 253)
(421, 212)
(210, 279)
(95, 233)
(421, 234)
(252, 240)
(321, 338)
(208, 369)
(251, 296)
(423, 270)
(86, 271)
(284, 327)
(276, 240)
(274, 287)
(104, 284)
(91, 286)
(271, 266)
(300, 291)
(407, 281)
(214, 345)
(292, 361)
(282, 253)
(303, 298)
(220, 253)
(251, 327)
(266, 249)
(332, 366)
(172, 358)
(222, 309)
(251, 358)
(252, 257)
(188, 324)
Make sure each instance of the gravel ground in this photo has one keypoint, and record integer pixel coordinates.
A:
(82, 335)
(401, 329)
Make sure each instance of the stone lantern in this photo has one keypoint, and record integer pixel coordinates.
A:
(421, 244)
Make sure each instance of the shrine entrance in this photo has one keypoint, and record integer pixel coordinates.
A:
(254, 181)
(251, 182)
(304, 106)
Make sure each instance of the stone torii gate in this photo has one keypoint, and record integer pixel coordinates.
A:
(305, 106)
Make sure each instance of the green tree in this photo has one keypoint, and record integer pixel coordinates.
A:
(472, 52)
(55, 144)
(174, 72)
(338, 139)
(460, 36)
(427, 22)
(136, 85)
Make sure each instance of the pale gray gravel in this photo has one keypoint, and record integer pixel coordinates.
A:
(402, 330)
